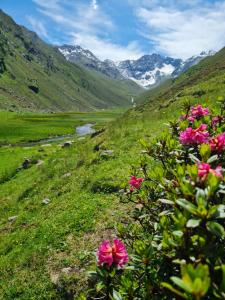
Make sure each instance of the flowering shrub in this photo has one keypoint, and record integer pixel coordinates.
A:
(176, 238)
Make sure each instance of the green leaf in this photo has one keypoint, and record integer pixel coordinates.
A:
(205, 151)
(194, 158)
(166, 201)
(179, 282)
(212, 159)
(215, 228)
(172, 289)
(187, 205)
(222, 285)
(99, 286)
(192, 223)
(117, 295)
(220, 212)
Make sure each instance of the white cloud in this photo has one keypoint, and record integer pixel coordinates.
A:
(184, 32)
(88, 26)
(94, 4)
(38, 26)
(105, 49)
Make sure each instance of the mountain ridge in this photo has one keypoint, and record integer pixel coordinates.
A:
(147, 71)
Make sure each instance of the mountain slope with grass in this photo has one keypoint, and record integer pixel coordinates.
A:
(35, 76)
(45, 249)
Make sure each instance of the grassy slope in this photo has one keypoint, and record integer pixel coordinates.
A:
(84, 206)
(63, 86)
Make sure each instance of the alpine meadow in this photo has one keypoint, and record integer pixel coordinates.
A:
(112, 174)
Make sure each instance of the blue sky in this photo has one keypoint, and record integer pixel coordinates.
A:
(125, 29)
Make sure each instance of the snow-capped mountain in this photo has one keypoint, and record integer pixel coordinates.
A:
(147, 71)
(79, 55)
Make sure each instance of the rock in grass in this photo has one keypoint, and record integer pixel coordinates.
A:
(26, 163)
(46, 201)
(66, 270)
(12, 219)
(66, 175)
(107, 153)
(67, 144)
(39, 162)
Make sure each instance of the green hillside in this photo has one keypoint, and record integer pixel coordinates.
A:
(47, 248)
(35, 76)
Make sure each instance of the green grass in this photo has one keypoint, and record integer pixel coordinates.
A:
(84, 206)
(23, 127)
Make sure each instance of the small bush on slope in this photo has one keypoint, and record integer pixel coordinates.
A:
(176, 239)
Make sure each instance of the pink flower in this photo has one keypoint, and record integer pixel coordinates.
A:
(135, 182)
(194, 136)
(217, 143)
(199, 111)
(191, 119)
(195, 113)
(116, 253)
(204, 169)
(216, 120)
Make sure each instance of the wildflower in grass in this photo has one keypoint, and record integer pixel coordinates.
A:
(204, 169)
(216, 120)
(199, 111)
(116, 253)
(194, 136)
(217, 143)
(135, 183)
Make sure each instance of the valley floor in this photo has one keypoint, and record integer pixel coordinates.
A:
(53, 214)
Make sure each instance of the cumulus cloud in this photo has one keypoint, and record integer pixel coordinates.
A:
(184, 31)
(88, 26)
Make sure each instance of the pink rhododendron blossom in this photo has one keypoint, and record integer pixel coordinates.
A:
(194, 136)
(204, 169)
(195, 113)
(116, 253)
(191, 119)
(216, 120)
(217, 143)
(135, 182)
(199, 111)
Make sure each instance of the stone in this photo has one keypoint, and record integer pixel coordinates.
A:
(107, 153)
(46, 201)
(26, 163)
(67, 144)
(46, 145)
(39, 162)
(66, 175)
(12, 219)
(66, 270)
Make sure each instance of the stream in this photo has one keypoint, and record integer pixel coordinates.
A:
(79, 131)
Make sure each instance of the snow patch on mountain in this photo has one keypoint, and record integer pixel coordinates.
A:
(146, 71)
